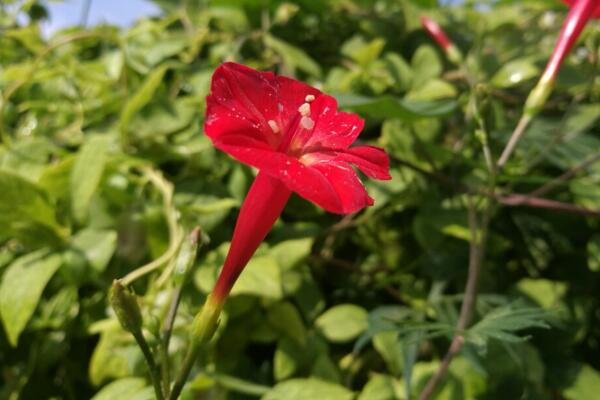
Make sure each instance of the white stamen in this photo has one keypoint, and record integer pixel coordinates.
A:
(307, 123)
(309, 98)
(273, 125)
(304, 109)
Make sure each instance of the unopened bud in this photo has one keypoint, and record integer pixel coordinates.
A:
(126, 307)
(538, 97)
(186, 257)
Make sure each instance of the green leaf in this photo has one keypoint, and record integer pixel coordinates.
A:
(285, 318)
(126, 389)
(384, 107)
(308, 389)
(142, 97)
(26, 212)
(98, 246)
(342, 323)
(21, 288)
(503, 322)
(293, 57)
(114, 355)
(426, 65)
(381, 387)
(261, 277)
(585, 386)
(86, 174)
(291, 252)
(514, 73)
(362, 52)
(433, 89)
(546, 293)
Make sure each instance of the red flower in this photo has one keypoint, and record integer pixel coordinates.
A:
(437, 34)
(579, 14)
(596, 13)
(298, 140)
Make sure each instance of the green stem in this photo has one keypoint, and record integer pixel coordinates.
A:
(203, 328)
(154, 370)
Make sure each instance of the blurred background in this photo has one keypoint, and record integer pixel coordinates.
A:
(104, 168)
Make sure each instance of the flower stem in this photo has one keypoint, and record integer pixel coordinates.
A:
(152, 367)
(203, 328)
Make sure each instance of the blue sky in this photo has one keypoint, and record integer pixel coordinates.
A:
(118, 12)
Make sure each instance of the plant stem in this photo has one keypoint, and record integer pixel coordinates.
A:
(203, 328)
(154, 370)
(547, 187)
(476, 255)
(514, 138)
(167, 331)
(516, 200)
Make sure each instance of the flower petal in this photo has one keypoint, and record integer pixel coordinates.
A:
(259, 104)
(332, 185)
(333, 130)
(371, 160)
(596, 13)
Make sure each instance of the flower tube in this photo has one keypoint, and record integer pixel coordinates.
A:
(579, 14)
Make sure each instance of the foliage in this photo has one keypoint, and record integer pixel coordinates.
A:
(104, 168)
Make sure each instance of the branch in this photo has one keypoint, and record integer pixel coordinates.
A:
(547, 187)
(516, 200)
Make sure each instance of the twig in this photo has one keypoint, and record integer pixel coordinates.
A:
(154, 370)
(514, 138)
(175, 232)
(516, 200)
(549, 186)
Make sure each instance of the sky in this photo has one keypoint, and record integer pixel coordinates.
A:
(117, 12)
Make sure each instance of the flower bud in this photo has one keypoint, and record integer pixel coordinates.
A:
(126, 307)
(186, 257)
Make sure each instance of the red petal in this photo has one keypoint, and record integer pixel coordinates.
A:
(371, 160)
(245, 100)
(333, 130)
(331, 185)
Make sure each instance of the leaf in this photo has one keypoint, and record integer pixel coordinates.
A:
(308, 389)
(514, 73)
(433, 89)
(126, 389)
(26, 211)
(426, 65)
(546, 293)
(291, 252)
(362, 52)
(381, 387)
(261, 277)
(293, 57)
(21, 288)
(98, 246)
(342, 323)
(503, 322)
(384, 107)
(585, 386)
(142, 97)
(86, 174)
(285, 318)
(113, 357)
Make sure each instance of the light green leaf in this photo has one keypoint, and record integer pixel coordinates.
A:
(21, 288)
(308, 389)
(261, 277)
(142, 97)
(381, 387)
(342, 323)
(586, 385)
(97, 245)
(290, 252)
(514, 73)
(26, 212)
(293, 57)
(546, 293)
(126, 389)
(433, 89)
(426, 65)
(86, 174)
